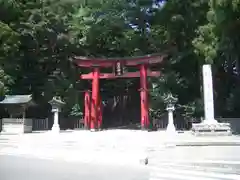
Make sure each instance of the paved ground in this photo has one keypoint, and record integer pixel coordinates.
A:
(20, 168)
(173, 163)
(181, 156)
(194, 162)
(119, 146)
(199, 153)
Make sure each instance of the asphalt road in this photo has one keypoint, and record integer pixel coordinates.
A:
(21, 168)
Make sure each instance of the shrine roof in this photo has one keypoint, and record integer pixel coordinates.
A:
(131, 61)
(56, 100)
(16, 99)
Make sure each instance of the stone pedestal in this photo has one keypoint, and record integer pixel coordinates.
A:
(202, 129)
(16, 126)
(56, 127)
(170, 127)
(170, 101)
(56, 104)
(209, 126)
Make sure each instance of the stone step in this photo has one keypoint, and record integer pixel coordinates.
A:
(168, 172)
(217, 168)
(9, 142)
(8, 145)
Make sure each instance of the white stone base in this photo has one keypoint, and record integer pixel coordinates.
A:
(171, 128)
(211, 127)
(56, 128)
(210, 121)
(16, 129)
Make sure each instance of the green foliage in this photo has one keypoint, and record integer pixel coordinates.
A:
(76, 111)
(193, 109)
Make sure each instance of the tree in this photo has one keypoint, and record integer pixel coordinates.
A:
(217, 43)
(39, 38)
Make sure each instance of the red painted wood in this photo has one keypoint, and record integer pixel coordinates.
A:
(92, 62)
(95, 99)
(125, 75)
(100, 114)
(87, 106)
(95, 109)
(144, 97)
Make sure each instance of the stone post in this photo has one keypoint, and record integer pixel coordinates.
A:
(56, 104)
(56, 127)
(171, 127)
(170, 101)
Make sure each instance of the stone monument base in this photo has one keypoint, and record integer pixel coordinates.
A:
(16, 126)
(211, 129)
(16, 129)
(56, 128)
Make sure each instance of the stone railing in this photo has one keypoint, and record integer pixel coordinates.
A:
(26, 121)
(161, 124)
(78, 124)
(234, 123)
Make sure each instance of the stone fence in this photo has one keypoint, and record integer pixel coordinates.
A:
(38, 124)
(43, 124)
(234, 122)
(78, 124)
(182, 124)
(34, 124)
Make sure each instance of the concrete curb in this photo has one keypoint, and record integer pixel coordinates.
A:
(207, 143)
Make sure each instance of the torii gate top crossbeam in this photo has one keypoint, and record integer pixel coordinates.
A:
(128, 61)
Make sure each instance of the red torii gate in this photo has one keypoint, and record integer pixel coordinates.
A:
(93, 106)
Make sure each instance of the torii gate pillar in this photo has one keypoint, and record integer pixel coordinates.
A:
(144, 97)
(87, 106)
(95, 100)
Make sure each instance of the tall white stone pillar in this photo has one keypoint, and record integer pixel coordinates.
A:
(208, 95)
(209, 126)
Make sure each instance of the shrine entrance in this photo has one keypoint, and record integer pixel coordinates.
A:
(121, 68)
(121, 107)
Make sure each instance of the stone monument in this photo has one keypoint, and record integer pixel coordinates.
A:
(56, 104)
(209, 125)
(170, 101)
